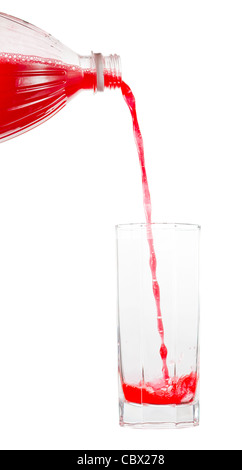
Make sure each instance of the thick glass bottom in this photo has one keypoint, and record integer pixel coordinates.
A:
(158, 416)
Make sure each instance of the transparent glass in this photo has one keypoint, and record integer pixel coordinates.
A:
(39, 75)
(146, 399)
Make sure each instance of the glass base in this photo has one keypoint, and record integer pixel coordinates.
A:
(158, 416)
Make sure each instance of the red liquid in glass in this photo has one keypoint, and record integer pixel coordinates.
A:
(173, 391)
(33, 89)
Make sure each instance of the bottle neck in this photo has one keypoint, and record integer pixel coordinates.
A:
(106, 70)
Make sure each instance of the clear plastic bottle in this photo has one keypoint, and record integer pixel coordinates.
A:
(38, 75)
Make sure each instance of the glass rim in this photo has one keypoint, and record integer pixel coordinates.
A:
(164, 225)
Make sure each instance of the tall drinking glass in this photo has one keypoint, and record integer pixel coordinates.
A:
(146, 397)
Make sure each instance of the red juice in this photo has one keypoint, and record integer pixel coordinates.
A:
(32, 89)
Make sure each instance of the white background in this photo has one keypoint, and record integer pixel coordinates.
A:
(63, 187)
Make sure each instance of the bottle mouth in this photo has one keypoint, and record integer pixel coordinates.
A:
(108, 70)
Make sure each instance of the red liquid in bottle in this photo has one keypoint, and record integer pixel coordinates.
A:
(33, 89)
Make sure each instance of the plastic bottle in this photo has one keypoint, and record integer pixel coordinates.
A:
(38, 75)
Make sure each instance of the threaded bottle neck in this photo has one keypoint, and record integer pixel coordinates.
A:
(112, 71)
(108, 71)
(104, 70)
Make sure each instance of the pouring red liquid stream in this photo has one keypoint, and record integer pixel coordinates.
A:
(130, 100)
(167, 390)
(33, 89)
